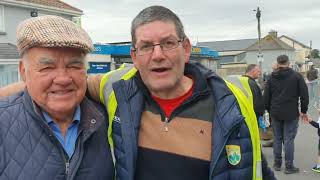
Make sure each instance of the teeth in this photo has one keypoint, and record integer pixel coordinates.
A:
(59, 92)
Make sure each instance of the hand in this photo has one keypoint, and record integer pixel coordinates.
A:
(304, 117)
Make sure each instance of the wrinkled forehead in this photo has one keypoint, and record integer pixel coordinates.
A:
(156, 30)
(53, 53)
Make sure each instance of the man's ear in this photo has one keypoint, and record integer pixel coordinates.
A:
(187, 48)
(22, 70)
(133, 55)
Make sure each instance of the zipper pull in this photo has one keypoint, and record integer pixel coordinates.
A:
(67, 168)
(166, 129)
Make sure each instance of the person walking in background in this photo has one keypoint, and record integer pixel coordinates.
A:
(312, 77)
(253, 72)
(281, 95)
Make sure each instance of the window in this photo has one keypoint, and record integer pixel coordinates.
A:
(2, 29)
(76, 20)
(8, 74)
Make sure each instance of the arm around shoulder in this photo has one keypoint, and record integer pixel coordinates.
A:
(12, 89)
(93, 86)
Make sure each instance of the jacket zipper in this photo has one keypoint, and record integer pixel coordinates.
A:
(166, 129)
(67, 167)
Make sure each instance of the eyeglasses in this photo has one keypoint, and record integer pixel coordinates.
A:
(166, 45)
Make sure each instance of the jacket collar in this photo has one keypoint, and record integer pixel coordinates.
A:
(91, 115)
(195, 70)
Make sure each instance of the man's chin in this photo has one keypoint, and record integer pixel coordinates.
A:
(61, 110)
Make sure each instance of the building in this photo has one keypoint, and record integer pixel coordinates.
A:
(271, 47)
(235, 54)
(12, 12)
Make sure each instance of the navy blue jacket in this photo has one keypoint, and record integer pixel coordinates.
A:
(29, 149)
(229, 127)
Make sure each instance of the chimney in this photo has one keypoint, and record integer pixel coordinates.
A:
(273, 33)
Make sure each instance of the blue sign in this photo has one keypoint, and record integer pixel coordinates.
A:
(98, 67)
(112, 49)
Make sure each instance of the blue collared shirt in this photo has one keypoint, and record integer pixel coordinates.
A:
(69, 141)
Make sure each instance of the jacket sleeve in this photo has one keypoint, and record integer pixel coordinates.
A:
(258, 104)
(266, 95)
(303, 93)
(314, 124)
(267, 173)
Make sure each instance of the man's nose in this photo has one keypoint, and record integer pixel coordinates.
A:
(62, 77)
(157, 53)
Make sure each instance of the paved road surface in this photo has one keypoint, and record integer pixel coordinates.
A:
(306, 145)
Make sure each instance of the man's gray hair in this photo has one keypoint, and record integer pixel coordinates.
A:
(156, 13)
(250, 67)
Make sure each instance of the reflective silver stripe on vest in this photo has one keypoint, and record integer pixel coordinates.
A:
(235, 80)
(259, 169)
(113, 77)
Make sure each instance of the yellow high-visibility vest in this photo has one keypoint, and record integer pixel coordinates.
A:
(242, 93)
(240, 87)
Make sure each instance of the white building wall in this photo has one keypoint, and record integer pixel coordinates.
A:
(268, 58)
(13, 16)
(300, 51)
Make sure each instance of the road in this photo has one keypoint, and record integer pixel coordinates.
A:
(306, 145)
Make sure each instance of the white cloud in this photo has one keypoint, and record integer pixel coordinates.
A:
(207, 20)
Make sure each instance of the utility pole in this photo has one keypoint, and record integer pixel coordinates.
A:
(260, 56)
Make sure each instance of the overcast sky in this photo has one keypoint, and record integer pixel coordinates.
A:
(207, 20)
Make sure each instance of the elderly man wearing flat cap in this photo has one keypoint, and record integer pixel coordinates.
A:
(51, 131)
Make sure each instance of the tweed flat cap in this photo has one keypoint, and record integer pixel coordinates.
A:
(51, 31)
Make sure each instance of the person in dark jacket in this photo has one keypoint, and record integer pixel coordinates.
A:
(282, 94)
(50, 130)
(164, 101)
(312, 77)
(253, 72)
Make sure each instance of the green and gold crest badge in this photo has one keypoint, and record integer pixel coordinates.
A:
(234, 154)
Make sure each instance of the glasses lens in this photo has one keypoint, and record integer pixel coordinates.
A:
(144, 49)
(169, 44)
(147, 48)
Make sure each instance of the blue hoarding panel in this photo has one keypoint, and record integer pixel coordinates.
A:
(124, 50)
(98, 67)
(107, 49)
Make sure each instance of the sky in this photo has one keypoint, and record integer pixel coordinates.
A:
(109, 21)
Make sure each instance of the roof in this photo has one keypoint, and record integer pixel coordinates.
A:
(8, 51)
(270, 42)
(303, 45)
(53, 3)
(231, 53)
(229, 45)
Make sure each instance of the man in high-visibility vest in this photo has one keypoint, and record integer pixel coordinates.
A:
(175, 120)
(253, 72)
(172, 119)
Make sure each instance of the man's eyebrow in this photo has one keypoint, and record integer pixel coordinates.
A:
(46, 61)
(77, 60)
(163, 39)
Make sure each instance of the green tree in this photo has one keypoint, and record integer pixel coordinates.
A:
(314, 53)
